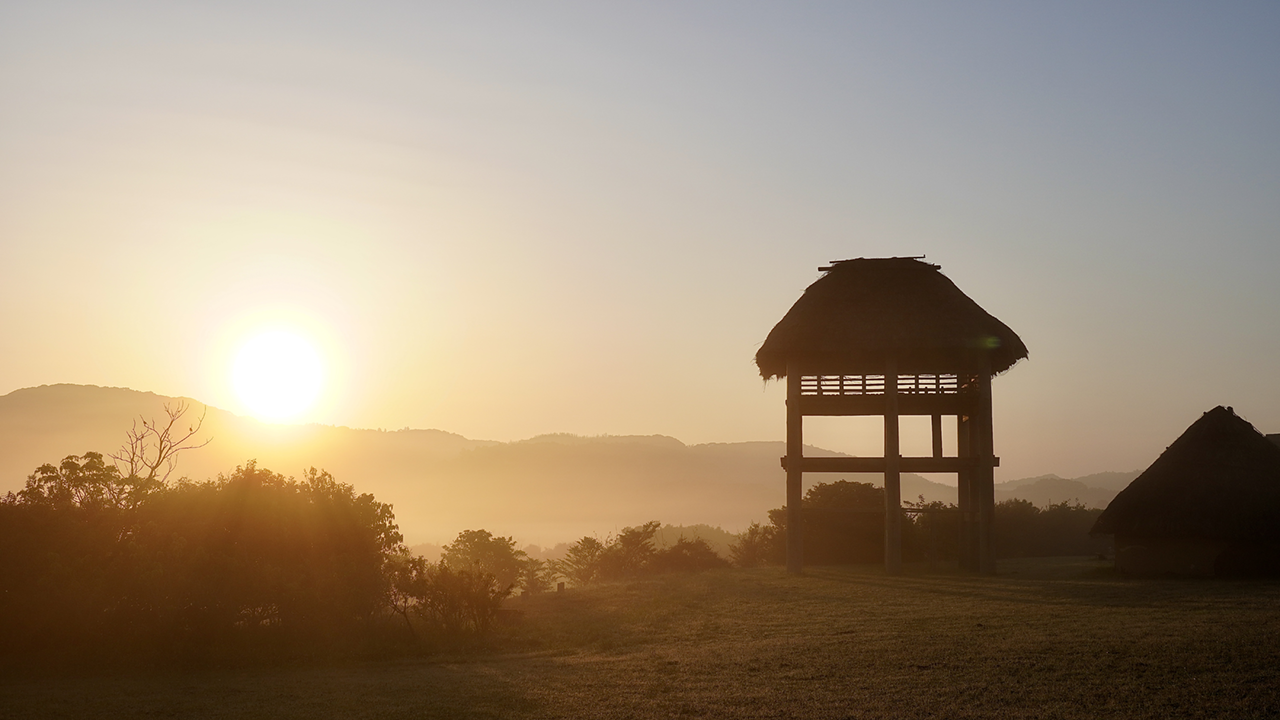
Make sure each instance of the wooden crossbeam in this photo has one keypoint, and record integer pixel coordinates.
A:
(957, 404)
(878, 465)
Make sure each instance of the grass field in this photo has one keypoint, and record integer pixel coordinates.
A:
(1056, 638)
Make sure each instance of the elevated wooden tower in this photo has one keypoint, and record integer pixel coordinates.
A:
(893, 337)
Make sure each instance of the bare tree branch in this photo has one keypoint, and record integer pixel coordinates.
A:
(157, 443)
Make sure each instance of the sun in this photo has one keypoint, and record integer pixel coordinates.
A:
(277, 374)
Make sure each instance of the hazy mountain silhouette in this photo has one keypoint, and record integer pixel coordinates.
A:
(545, 490)
(1095, 490)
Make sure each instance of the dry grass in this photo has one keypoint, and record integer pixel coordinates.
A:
(1046, 639)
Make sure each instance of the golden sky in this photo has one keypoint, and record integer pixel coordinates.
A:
(510, 219)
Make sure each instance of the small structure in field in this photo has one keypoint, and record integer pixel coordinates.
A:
(1209, 505)
(893, 337)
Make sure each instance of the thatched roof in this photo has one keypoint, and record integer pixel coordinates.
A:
(1219, 481)
(863, 311)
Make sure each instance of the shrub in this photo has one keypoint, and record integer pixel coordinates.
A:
(687, 556)
(755, 546)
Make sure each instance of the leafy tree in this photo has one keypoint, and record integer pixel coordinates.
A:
(85, 481)
(537, 576)
(581, 563)
(406, 585)
(259, 550)
(630, 552)
(844, 523)
(478, 551)
(451, 602)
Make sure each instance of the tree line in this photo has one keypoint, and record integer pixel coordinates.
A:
(844, 524)
(106, 558)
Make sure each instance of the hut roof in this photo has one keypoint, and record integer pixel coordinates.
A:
(865, 310)
(1219, 481)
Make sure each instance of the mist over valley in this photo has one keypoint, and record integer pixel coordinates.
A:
(544, 490)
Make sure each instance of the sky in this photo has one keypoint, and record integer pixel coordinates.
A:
(510, 219)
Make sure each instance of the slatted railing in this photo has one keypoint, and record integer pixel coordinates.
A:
(923, 384)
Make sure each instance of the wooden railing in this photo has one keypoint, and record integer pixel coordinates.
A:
(923, 384)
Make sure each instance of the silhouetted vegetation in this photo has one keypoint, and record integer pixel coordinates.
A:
(1023, 530)
(442, 601)
(844, 524)
(99, 567)
(754, 545)
(631, 554)
(103, 567)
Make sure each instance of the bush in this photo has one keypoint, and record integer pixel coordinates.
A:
(687, 556)
(755, 546)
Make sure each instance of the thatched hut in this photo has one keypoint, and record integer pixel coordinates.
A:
(1209, 505)
(892, 337)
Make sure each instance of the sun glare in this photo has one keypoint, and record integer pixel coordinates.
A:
(277, 375)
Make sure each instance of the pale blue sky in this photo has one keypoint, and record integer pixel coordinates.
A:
(512, 219)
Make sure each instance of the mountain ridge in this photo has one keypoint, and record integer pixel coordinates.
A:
(545, 489)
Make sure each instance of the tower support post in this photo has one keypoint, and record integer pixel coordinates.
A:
(892, 474)
(795, 472)
(985, 490)
(964, 480)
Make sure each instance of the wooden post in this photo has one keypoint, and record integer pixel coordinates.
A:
(892, 475)
(964, 492)
(795, 473)
(985, 490)
(937, 436)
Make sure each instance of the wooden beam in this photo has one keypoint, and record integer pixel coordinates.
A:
(864, 405)
(879, 465)
(937, 435)
(892, 474)
(964, 492)
(984, 490)
(795, 474)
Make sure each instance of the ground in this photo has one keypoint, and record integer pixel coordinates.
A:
(1059, 638)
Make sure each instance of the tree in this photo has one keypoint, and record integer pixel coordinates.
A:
(843, 523)
(537, 576)
(85, 481)
(630, 552)
(581, 563)
(156, 444)
(406, 585)
(478, 551)
(755, 546)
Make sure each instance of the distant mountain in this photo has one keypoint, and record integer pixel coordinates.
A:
(1095, 490)
(44, 424)
(544, 490)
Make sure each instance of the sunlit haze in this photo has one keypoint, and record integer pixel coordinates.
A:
(509, 219)
(277, 375)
